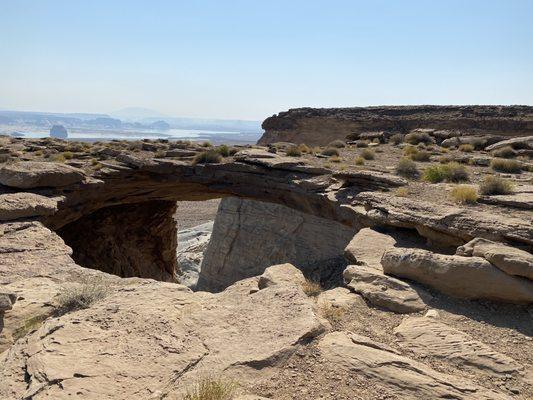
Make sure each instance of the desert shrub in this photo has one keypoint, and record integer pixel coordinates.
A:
(206, 144)
(495, 185)
(395, 139)
(407, 168)
(368, 154)
(505, 152)
(207, 157)
(504, 165)
(68, 155)
(359, 161)
(466, 148)
(293, 151)
(304, 148)
(223, 150)
(38, 153)
(409, 150)
(451, 172)
(417, 137)
(212, 389)
(352, 136)
(420, 156)
(135, 146)
(401, 192)
(362, 143)
(464, 194)
(335, 159)
(332, 313)
(338, 144)
(57, 158)
(81, 296)
(330, 151)
(160, 153)
(311, 288)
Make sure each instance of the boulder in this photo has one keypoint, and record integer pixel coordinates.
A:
(33, 174)
(281, 274)
(7, 299)
(465, 277)
(428, 337)
(341, 298)
(523, 142)
(509, 259)
(367, 247)
(24, 205)
(58, 132)
(383, 291)
(407, 378)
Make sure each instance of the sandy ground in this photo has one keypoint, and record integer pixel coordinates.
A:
(193, 213)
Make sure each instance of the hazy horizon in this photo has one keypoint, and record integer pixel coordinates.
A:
(247, 61)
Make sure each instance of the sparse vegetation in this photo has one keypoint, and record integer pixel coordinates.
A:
(293, 151)
(451, 172)
(311, 288)
(466, 148)
(401, 192)
(57, 157)
(81, 296)
(212, 389)
(505, 165)
(368, 154)
(418, 137)
(504, 152)
(359, 161)
(223, 150)
(335, 159)
(305, 149)
(464, 194)
(362, 143)
(493, 185)
(206, 144)
(207, 157)
(396, 139)
(332, 313)
(330, 151)
(338, 144)
(407, 168)
(420, 156)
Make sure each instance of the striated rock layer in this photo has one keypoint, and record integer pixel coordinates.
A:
(319, 126)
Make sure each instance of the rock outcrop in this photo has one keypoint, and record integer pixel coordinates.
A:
(319, 126)
(31, 174)
(248, 236)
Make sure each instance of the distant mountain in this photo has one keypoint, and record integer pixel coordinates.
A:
(136, 114)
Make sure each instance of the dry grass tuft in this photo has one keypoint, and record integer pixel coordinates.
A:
(212, 389)
(396, 139)
(330, 151)
(368, 154)
(418, 137)
(466, 148)
(82, 296)
(207, 157)
(331, 313)
(359, 161)
(493, 185)
(407, 168)
(451, 172)
(503, 165)
(339, 144)
(504, 152)
(311, 288)
(401, 192)
(293, 151)
(464, 194)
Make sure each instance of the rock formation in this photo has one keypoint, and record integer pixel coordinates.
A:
(58, 132)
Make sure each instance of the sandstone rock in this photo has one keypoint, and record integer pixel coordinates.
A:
(466, 277)
(24, 205)
(249, 236)
(192, 244)
(371, 179)
(281, 274)
(367, 247)
(383, 291)
(516, 200)
(509, 259)
(525, 142)
(33, 174)
(430, 338)
(173, 336)
(340, 297)
(408, 378)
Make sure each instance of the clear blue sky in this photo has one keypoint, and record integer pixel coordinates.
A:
(250, 59)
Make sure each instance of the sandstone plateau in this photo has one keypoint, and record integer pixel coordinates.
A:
(390, 257)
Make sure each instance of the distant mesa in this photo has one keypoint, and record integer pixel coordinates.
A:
(160, 126)
(59, 132)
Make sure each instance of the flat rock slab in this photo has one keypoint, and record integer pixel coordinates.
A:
(24, 205)
(383, 291)
(517, 200)
(525, 142)
(408, 378)
(159, 337)
(367, 247)
(465, 277)
(33, 174)
(428, 337)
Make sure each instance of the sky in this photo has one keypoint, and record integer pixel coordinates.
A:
(251, 59)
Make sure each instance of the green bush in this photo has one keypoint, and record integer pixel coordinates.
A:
(223, 150)
(207, 157)
(504, 165)
(451, 172)
(493, 185)
(407, 168)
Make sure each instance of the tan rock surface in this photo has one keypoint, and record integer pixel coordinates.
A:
(33, 174)
(24, 205)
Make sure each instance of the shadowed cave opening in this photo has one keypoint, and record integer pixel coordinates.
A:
(246, 237)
